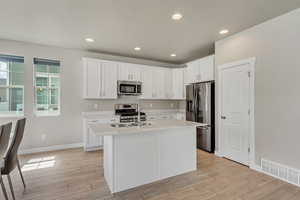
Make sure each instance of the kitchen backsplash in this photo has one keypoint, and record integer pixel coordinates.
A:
(108, 105)
(181, 105)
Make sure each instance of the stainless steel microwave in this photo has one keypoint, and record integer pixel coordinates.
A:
(130, 88)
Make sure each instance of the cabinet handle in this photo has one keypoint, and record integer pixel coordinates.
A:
(103, 81)
(100, 81)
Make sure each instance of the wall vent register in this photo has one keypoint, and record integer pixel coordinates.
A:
(280, 171)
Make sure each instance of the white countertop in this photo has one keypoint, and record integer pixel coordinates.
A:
(111, 114)
(107, 129)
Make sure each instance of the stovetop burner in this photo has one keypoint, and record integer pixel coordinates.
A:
(129, 113)
(132, 114)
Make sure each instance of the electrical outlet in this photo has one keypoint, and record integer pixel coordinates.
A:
(172, 105)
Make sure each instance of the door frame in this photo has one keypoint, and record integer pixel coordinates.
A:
(251, 62)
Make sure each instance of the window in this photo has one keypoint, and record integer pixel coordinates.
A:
(11, 85)
(47, 86)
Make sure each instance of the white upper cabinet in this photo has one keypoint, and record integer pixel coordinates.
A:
(178, 88)
(200, 70)
(158, 75)
(207, 68)
(129, 72)
(147, 82)
(192, 73)
(91, 78)
(100, 79)
(109, 79)
(168, 84)
(156, 83)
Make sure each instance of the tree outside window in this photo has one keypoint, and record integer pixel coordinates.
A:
(11, 85)
(47, 86)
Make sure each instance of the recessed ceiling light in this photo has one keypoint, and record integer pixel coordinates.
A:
(137, 48)
(173, 55)
(224, 31)
(89, 40)
(177, 16)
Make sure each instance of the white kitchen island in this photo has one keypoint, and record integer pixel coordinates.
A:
(135, 156)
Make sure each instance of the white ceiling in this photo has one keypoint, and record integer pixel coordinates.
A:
(120, 25)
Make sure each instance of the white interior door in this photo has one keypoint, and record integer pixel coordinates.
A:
(235, 112)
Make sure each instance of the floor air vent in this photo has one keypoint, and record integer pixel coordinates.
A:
(280, 171)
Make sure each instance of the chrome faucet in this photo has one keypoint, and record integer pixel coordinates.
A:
(139, 114)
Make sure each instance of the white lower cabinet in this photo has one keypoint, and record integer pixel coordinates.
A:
(91, 142)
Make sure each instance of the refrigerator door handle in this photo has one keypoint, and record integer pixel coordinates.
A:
(195, 104)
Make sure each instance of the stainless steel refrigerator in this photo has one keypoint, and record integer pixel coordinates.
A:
(200, 108)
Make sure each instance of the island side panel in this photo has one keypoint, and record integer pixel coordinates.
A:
(146, 157)
(108, 162)
(136, 160)
(177, 151)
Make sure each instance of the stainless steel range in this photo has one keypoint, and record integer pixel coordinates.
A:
(129, 113)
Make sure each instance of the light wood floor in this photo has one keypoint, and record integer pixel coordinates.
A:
(74, 174)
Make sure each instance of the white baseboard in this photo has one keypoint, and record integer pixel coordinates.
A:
(50, 148)
(93, 148)
(217, 153)
(255, 167)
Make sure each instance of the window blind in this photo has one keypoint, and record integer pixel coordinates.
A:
(41, 61)
(9, 58)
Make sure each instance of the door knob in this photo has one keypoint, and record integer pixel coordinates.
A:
(223, 117)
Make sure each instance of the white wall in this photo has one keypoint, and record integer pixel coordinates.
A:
(66, 128)
(276, 45)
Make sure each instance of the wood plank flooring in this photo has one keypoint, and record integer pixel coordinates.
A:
(77, 175)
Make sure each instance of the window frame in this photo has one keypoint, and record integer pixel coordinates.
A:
(13, 114)
(46, 113)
